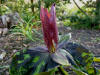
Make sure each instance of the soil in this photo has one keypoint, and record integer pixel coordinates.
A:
(11, 43)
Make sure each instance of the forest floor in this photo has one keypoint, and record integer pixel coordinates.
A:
(11, 43)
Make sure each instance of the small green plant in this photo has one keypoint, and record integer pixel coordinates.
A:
(26, 29)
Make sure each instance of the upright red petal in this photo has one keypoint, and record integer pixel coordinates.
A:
(49, 27)
(53, 24)
(45, 18)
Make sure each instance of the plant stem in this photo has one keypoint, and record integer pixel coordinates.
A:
(63, 72)
(80, 8)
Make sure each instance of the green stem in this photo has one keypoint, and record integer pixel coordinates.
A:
(63, 71)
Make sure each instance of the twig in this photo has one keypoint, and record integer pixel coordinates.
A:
(80, 8)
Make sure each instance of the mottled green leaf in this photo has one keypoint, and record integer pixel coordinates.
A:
(32, 62)
(35, 59)
(20, 61)
(26, 56)
(17, 53)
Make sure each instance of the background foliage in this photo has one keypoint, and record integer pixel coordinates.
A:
(85, 16)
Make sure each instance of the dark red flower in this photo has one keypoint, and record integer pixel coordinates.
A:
(50, 30)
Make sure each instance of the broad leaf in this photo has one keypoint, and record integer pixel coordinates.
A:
(31, 62)
(78, 52)
(62, 57)
(82, 56)
(65, 37)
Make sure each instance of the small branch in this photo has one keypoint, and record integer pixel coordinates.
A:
(80, 8)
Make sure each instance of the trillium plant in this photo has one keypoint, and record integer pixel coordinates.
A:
(55, 57)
